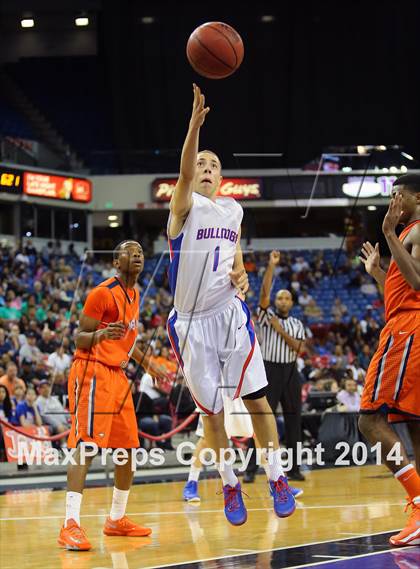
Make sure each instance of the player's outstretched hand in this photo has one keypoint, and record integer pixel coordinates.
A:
(392, 217)
(199, 110)
(114, 331)
(370, 257)
(274, 258)
(239, 279)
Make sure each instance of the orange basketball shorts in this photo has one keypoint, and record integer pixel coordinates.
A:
(101, 406)
(393, 379)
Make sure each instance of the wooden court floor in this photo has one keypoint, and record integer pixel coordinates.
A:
(337, 503)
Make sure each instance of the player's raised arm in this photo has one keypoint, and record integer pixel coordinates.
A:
(182, 197)
(371, 259)
(408, 263)
(268, 279)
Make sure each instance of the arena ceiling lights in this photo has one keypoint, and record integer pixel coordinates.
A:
(82, 20)
(27, 22)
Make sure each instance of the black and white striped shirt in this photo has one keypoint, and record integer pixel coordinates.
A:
(273, 347)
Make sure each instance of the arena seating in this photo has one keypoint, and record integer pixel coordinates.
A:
(12, 123)
(71, 93)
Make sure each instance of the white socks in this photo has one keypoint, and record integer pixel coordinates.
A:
(227, 474)
(73, 503)
(194, 473)
(119, 504)
(275, 469)
(403, 470)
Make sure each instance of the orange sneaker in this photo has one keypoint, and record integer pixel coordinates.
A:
(125, 527)
(73, 537)
(410, 535)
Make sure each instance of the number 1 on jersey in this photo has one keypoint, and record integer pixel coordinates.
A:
(216, 258)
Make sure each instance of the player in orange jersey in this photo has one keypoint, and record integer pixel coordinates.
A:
(100, 398)
(392, 387)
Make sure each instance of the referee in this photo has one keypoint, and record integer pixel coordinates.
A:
(282, 338)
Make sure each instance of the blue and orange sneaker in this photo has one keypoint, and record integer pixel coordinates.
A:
(296, 491)
(190, 493)
(284, 501)
(235, 510)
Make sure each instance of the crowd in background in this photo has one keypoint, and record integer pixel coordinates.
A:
(41, 296)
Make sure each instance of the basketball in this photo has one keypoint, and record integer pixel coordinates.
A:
(215, 50)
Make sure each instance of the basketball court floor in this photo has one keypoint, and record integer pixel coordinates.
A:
(343, 520)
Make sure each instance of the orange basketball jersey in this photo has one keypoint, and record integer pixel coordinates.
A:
(398, 294)
(112, 302)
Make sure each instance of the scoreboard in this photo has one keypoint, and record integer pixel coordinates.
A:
(45, 185)
(11, 181)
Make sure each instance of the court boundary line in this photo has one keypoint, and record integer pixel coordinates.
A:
(282, 549)
(216, 511)
(358, 556)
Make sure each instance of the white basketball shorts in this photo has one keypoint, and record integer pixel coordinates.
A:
(218, 354)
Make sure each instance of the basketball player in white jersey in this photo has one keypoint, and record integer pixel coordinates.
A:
(210, 327)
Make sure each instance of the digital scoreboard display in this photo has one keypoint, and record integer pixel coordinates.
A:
(11, 181)
(45, 185)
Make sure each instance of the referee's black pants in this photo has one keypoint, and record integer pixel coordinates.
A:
(284, 386)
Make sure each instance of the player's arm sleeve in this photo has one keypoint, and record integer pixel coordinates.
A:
(97, 303)
(415, 251)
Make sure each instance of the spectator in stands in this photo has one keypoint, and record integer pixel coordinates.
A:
(249, 263)
(349, 397)
(170, 366)
(9, 311)
(47, 252)
(26, 371)
(58, 361)
(19, 395)
(57, 250)
(27, 412)
(51, 410)
(148, 421)
(304, 298)
(29, 351)
(16, 338)
(180, 399)
(71, 253)
(365, 356)
(6, 346)
(30, 249)
(29, 303)
(357, 372)
(368, 287)
(22, 257)
(338, 308)
(59, 386)
(312, 310)
(300, 265)
(294, 283)
(151, 388)
(338, 326)
(10, 380)
(108, 271)
(6, 407)
(47, 345)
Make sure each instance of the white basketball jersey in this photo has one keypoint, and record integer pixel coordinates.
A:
(202, 255)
